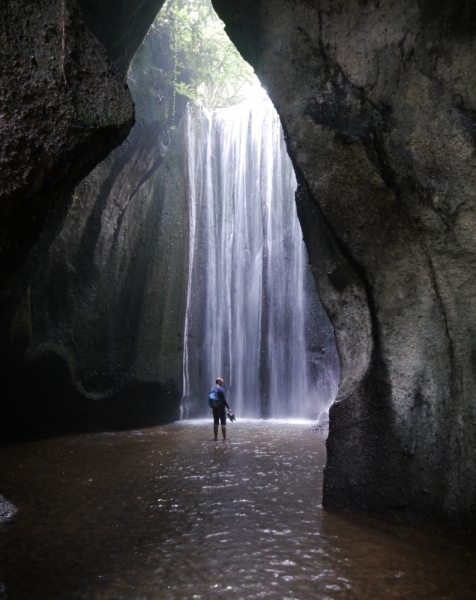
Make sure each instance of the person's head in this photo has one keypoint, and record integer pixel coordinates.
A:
(219, 381)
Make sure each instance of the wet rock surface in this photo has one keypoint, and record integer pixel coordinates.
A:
(7, 510)
(97, 343)
(321, 427)
(378, 100)
(63, 107)
(120, 25)
(108, 304)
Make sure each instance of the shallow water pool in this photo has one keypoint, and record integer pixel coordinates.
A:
(167, 513)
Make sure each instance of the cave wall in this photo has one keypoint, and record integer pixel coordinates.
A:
(63, 107)
(96, 343)
(378, 100)
(120, 25)
(107, 303)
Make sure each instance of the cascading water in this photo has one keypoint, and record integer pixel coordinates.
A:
(248, 307)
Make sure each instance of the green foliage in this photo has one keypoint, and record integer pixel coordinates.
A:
(185, 90)
(186, 56)
(208, 69)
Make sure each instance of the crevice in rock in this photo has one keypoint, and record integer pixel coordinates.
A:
(434, 285)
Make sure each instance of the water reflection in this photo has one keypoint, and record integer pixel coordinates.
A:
(167, 513)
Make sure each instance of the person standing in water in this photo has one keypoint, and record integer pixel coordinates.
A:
(219, 413)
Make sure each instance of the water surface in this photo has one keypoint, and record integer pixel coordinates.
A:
(167, 513)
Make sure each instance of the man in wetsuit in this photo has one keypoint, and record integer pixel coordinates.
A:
(219, 414)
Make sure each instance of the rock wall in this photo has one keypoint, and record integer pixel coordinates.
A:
(108, 303)
(97, 342)
(63, 107)
(378, 99)
(120, 25)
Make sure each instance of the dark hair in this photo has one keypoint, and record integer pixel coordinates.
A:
(218, 380)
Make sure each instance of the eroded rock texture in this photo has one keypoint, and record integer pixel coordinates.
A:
(7, 510)
(378, 99)
(63, 107)
(120, 25)
(96, 343)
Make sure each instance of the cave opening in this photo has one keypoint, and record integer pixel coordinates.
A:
(253, 313)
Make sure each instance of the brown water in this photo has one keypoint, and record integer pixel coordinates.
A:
(167, 513)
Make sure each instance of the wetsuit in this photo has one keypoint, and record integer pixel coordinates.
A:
(219, 414)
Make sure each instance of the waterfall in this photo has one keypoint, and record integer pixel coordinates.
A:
(247, 306)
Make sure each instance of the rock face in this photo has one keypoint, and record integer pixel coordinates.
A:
(102, 322)
(107, 304)
(63, 107)
(7, 510)
(120, 25)
(378, 99)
